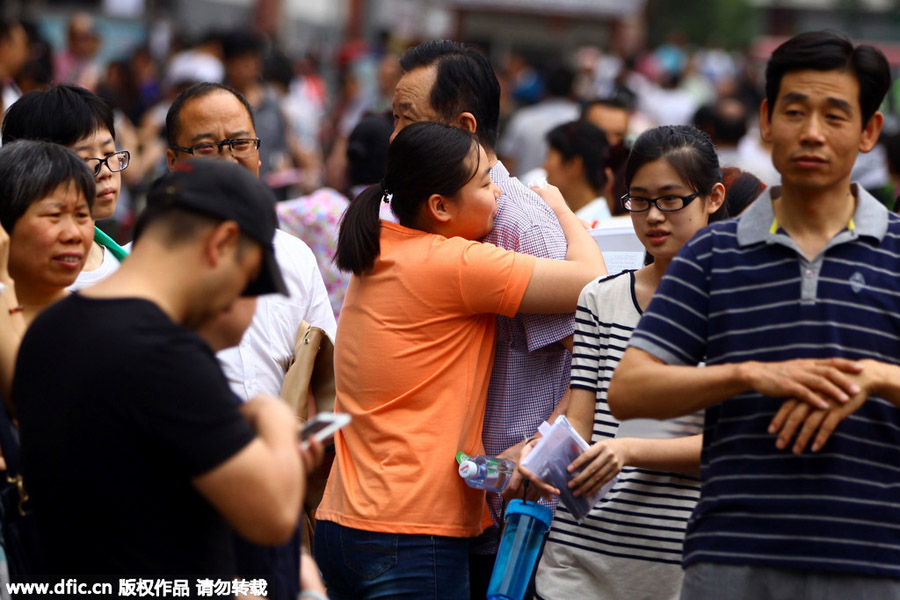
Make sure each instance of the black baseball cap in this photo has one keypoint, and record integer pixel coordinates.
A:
(226, 191)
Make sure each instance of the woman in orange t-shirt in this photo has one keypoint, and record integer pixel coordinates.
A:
(413, 356)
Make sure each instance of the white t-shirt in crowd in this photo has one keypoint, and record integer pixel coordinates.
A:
(107, 267)
(595, 210)
(525, 136)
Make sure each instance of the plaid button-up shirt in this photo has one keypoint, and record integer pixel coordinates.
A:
(531, 368)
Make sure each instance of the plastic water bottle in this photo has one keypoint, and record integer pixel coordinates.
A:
(485, 472)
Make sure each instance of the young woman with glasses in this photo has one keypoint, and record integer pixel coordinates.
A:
(81, 121)
(630, 544)
(413, 357)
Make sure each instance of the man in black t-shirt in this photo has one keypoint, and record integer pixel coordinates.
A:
(136, 454)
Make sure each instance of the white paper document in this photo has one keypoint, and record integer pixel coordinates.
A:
(621, 247)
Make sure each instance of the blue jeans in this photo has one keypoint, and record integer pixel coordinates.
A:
(367, 565)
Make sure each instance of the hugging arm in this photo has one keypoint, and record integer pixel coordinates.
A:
(555, 284)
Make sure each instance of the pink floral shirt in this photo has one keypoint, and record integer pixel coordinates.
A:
(315, 219)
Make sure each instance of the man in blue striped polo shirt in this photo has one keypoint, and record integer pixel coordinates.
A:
(795, 309)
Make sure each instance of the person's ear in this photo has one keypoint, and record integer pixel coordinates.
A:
(765, 123)
(438, 209)
(716, 198)
(467, 122)
(871, 132)
(222, 242)
(171, 158)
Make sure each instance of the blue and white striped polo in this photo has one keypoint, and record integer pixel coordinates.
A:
(742, 290)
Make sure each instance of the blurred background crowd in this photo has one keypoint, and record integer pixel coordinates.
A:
(312, 69)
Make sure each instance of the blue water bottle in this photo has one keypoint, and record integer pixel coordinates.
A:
(526, 525)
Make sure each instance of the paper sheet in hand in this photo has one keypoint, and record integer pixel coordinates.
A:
(621, 247)
(549, 461)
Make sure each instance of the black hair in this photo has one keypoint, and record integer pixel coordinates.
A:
(559, 82)
(703, 119)
(741, 189)
(367, 149)
(198, 90)
(240, 43)
(31, 170)
(892, 147)
(618, 102)
(690, 152)
(210, 36)
(623, 100)
(37, 72)
(618, 158)
(829, 51)
(465, 82)
(63, 115)
(176, 224)
(580, 139)
(729, 121)
(725, 121)
(7, 26)
(424, 159)
(279, 68)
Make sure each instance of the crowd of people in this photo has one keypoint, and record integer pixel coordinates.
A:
(741, 389)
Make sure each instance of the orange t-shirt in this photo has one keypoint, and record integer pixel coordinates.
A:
(413, 357)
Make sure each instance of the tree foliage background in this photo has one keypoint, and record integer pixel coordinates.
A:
(727, 23)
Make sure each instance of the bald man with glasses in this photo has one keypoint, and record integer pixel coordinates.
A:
(214, 121)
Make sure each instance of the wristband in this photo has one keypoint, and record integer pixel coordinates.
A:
(312, 595)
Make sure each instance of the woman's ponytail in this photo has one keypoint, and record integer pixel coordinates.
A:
(358, 239)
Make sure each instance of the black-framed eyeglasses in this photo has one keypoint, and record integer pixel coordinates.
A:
(239, 147)
(115, 162)
(667, 203)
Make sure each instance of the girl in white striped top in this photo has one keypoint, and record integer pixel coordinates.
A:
(630, 544)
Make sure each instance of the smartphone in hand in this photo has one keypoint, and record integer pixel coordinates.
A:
(323, 426)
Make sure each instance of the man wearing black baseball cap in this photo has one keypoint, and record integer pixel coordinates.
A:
(154, 455)
(207, 188)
